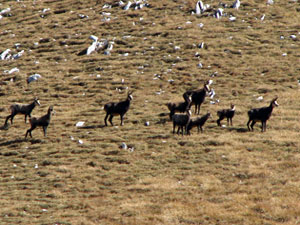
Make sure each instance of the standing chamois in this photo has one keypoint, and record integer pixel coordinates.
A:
(261, 114)
(198, 96)
(40, 122)
(180, 106)
(181, 120)
(226, 113)
(197, 122)
(21, 109)
(117, 108)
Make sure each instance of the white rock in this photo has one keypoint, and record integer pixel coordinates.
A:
(13, 70)
(80, 124)
(3, 11)
(147, 123)
(18, 55)
(33, 77)
(270, 2)
(80, 141)
(124, 146)
(4, 54)
(260, 98)
(232, 18)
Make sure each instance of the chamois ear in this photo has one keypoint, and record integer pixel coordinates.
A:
(274, 99)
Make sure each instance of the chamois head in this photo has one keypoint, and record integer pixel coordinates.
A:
(232, 107)
(274, 102)
(36, 101)
(206, 85)
(51, 110)
(129, 95)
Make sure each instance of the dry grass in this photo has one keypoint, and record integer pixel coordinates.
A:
(223, 176)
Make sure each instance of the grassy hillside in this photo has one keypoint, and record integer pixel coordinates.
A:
(222, 176)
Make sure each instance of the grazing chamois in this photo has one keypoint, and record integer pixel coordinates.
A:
(40, 122)
(226, 113)
(117, 108)
(180, 106)
(198, 96)
(261, 114)
(181, 120)
(198, 122)
(21, 109)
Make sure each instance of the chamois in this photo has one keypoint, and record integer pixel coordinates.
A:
(181, 120)
(21, 109)
(198, 96)
(180, 106)
(198, 122)
(261, 114)
(117, 108)
(43, 121)
(226, 113)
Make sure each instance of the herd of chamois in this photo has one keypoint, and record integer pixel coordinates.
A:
(180, 113)
(184, 122)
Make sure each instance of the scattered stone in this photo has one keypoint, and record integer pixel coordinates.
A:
(33, 77)
(80, 124)
(124, 146)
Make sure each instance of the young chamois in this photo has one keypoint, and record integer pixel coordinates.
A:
(261, 114)
(181, 120)
(21, 109)
(40, 122)
(180, 106)
(226, 113)
(198, 96)
(198, 122)
(117, 108)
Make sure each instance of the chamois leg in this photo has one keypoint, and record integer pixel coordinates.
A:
(263, 126)
(29, 131)
(248, 124)
(105, 119)
(252, 124)
(121, 117)
(45, 131)
(201, 129)
(7, 118)
(231, 122)
(178, 130)
(12, 118)
(174, 128)
(110, 119)
(181, 127)
(228, 121)
(219, 122)
(198, 109)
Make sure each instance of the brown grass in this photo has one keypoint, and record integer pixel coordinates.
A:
(223, 176)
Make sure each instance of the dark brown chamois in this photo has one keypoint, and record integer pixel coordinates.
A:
(21, 109)
(198, 96)
(117, 108)
(40, 122)
(261, 114)
(198, 122)
(180, 107)
(181, 120)
(226, 113)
